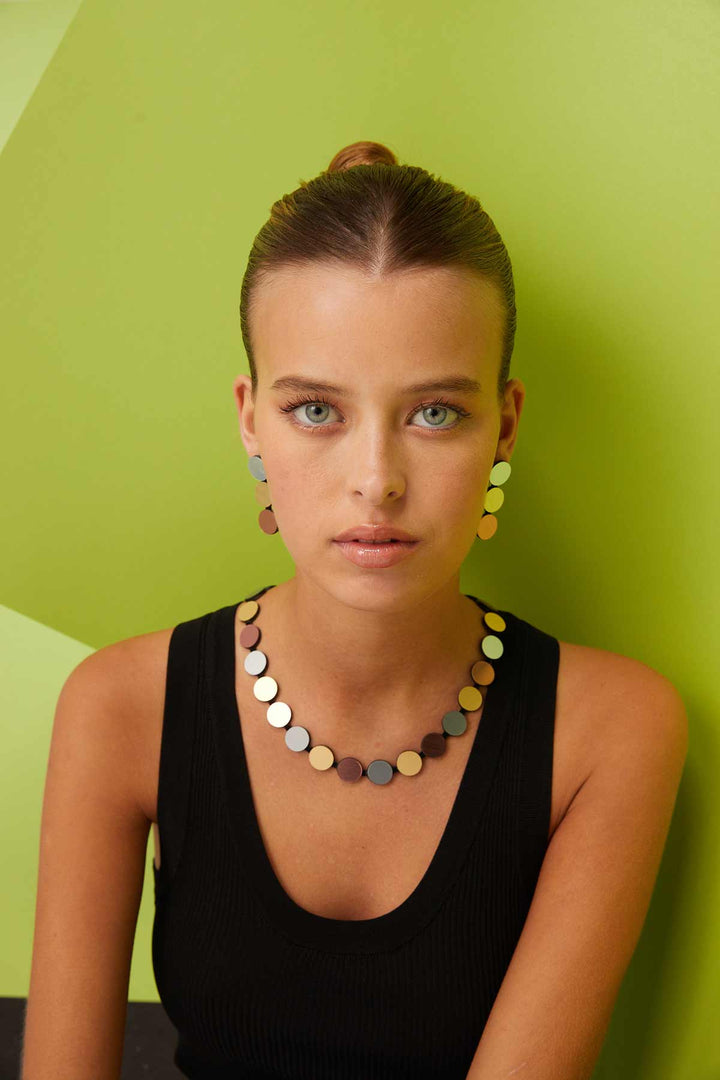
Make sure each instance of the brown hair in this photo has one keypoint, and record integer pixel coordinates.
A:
(366, 210)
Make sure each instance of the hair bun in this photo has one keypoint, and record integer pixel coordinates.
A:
(361, 153)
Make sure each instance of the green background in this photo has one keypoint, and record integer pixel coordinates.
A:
(131, 186)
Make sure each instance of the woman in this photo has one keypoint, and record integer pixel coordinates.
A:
(398, 831)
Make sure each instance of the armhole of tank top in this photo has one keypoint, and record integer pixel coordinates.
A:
(538, 695)
(180, 710)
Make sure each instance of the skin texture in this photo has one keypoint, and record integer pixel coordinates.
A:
(374, 455)
(387, 644)
(375, 335)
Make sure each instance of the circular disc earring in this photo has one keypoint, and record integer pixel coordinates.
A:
(266, 518)
(494, 499)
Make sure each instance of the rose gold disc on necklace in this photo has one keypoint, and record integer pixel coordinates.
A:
(350, 769)
(249, 635)
(482, 673)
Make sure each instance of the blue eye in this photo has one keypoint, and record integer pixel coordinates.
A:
(438, 403)
(307, 402)
(443, 406)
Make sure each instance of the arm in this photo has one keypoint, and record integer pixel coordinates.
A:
(554, 1006)
(93, 842)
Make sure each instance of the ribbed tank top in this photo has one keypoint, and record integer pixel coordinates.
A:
(257, 986)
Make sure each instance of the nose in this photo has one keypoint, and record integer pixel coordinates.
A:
(376, 470)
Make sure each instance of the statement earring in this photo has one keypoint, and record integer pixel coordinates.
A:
(493, 500)
(487, 528)
(266, 518)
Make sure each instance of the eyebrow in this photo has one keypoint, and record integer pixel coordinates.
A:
(456, 384)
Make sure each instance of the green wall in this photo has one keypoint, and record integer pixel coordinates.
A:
(130, 191)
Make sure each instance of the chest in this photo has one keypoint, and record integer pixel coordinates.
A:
(355, 851)
(347, 850)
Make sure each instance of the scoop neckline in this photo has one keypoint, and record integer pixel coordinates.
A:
(395, 926)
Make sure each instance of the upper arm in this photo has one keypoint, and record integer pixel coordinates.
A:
(554, 1006)
(93, 841)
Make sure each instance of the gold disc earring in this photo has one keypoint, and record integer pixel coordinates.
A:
(494, 499)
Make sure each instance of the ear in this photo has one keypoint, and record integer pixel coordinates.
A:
(242, 390)
(510, 418)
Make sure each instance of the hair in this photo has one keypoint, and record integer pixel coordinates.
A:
(366, 210)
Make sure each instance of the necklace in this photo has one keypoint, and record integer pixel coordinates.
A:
(379, 771)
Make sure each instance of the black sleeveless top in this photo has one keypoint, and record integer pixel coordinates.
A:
(257, 986)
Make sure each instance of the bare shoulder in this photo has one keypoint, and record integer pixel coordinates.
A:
(610, 702)
(131, 673)
(93, 842)
(628, 729)
(598, 676)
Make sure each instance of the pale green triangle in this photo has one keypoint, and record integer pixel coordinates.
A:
(35, 660)
(30, 32)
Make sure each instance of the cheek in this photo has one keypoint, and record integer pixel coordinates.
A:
(454, 504)
(464, 486)
(296, 493)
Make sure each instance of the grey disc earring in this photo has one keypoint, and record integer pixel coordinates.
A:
(266, 517)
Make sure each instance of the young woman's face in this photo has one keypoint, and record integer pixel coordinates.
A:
(377, 447)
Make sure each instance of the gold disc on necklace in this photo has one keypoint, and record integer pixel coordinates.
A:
(494, 621)
(248, 610)
(321, 757)
(470, 698)
(409, 763)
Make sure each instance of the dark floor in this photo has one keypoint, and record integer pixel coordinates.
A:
(149, 1041)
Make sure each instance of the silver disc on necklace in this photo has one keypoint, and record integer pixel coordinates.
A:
(297, 738)
(380, 771)
(279, 714)
(265, 688)
(255, 662)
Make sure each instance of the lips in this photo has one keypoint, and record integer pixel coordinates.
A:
(377, 534)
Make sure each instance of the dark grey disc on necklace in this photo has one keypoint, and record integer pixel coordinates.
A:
(454, 722)
(379, 771)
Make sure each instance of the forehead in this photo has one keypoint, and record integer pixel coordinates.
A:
(318, 312)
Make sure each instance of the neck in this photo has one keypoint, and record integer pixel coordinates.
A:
(369, 666)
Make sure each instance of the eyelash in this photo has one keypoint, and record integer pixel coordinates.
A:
(308, 400)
